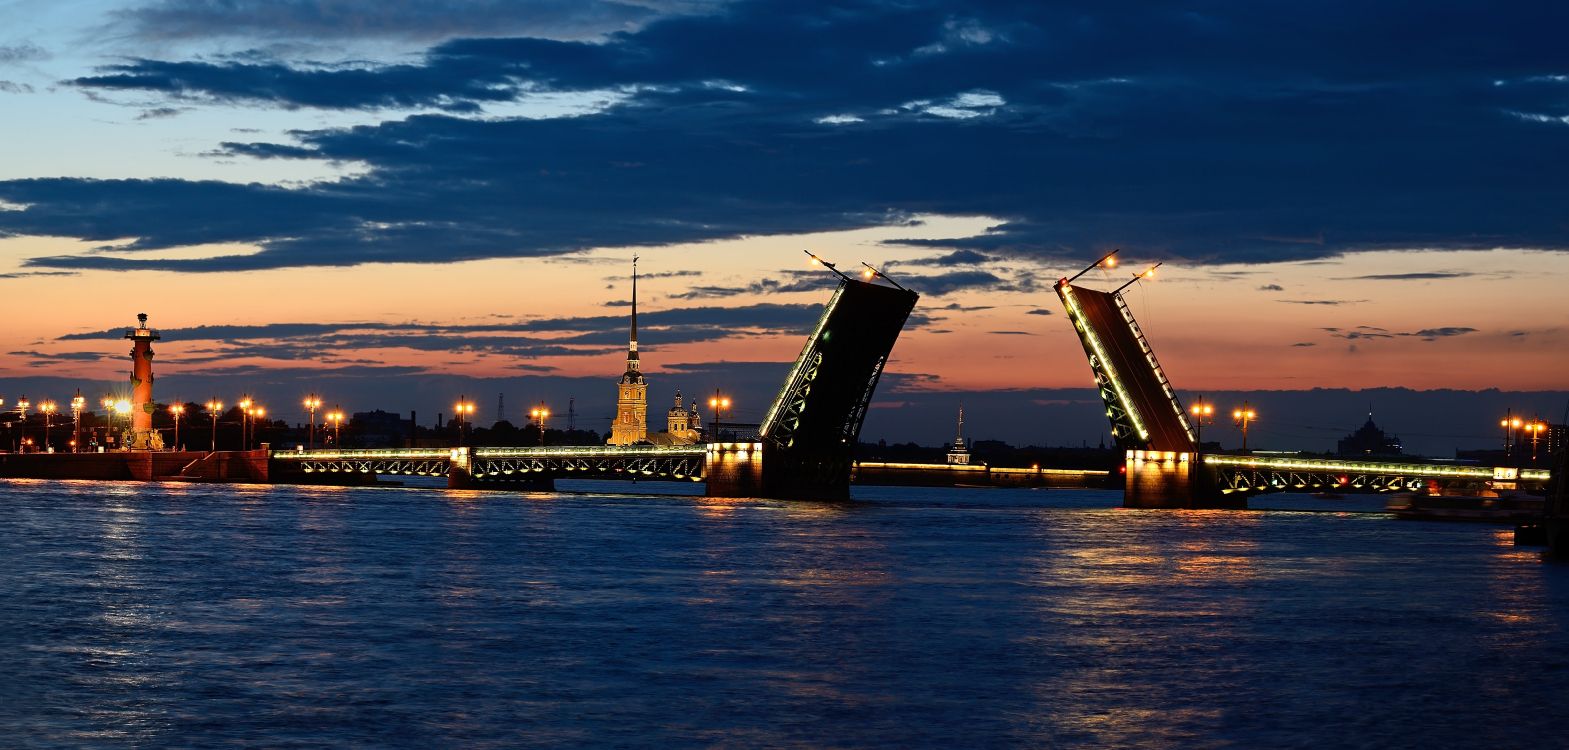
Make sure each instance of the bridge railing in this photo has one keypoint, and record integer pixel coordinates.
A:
(586, 451)
(1379, 467)
(414, 454)
(426, 454)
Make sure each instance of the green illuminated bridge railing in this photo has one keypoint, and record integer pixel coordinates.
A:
(436, 454)
(1448, 471)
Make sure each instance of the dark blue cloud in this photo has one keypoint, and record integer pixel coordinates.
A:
(408, 19)
(335, 344)
(1250, 132)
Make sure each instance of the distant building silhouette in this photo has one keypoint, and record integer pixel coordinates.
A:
(378, 429)
(1369, 440)
(958, 454)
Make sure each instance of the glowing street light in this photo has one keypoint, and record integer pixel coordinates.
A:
(818, 261)
(255, 412)
(77, 405)
(540, 414)
(1109, 260)
(21, 412)
(107, 402)
(213, 407)
(336, 418)
(1203, 413)
(1145, 275)
(1244, 417)
(245, 419)
(177, 410)
(718, 403)
(312, 403)
(48, 408)
(1536, 429)
(464, 407)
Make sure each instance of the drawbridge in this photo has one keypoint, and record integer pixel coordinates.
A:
(1165, 467)
(803, 449)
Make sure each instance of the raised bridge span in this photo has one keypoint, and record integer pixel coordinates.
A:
(803, 448)
(1164, 466)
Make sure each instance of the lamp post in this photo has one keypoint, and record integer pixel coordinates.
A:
(21, 413)
(107, 402)
(176, 410)
(213, 407)
(77, 404)
(463, 407)
(718, 404)
(1511, 425)
(540, 414)
(245, 421)
(1244, 417)
(48, 408)
(261, 413)
(336, 418)
(123, 408)
(1203, 412)
(312, 403)
(1536, 428)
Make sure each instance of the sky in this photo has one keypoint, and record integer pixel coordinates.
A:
(395, 202)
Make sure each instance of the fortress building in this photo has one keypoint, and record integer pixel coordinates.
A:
(682, 426)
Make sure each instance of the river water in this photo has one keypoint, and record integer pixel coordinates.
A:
(201, 615)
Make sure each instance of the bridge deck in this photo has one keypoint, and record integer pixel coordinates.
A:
(1137, 377)
(433, 454)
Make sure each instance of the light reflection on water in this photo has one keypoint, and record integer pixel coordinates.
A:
(197, 615)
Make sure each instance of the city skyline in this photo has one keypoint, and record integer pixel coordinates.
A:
(294, 203)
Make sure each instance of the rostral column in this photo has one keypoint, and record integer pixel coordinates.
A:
(142, 436)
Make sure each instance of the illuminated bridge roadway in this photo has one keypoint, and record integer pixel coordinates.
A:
(1234, 477)
(533, 467)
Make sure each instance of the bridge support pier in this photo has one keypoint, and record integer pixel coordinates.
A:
(1168, 479)
(460, 471)
(734, 470)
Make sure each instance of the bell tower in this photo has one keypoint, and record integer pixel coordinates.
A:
(631, 423)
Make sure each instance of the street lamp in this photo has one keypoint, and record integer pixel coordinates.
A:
(464, 406)
(177, 410)
(1244, 417)
(48, 408)
(261, 413)
(1203, 413)
(718, 404)
(540, 414)
(123, 408)
(245, 420)
(21, 413)
(213, 407)
(107, 402)
(1536, 429)
(77, 404)
(336, 418)
(312, 403)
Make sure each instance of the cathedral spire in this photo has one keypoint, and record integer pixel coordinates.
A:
(634, 372)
